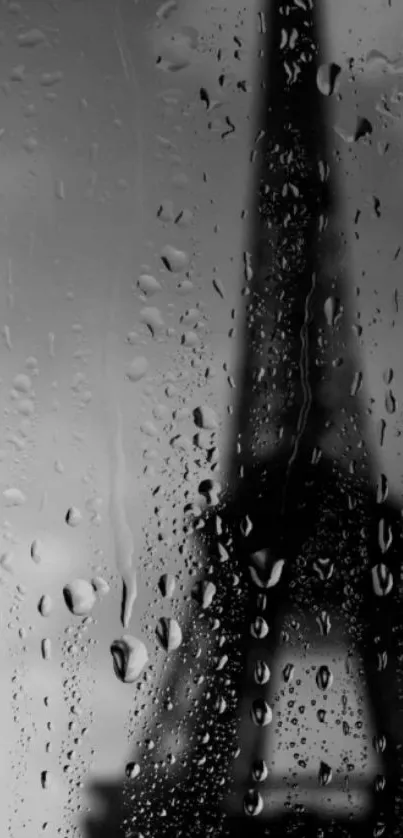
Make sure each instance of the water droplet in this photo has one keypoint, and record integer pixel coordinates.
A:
(390, 403)
(261, 712)
(46, 648)
(45, 605)
(321, 714)
(22, 383)
(380, 782)
(129, 658)
(205, 417)
(324, 678)
(324, 568)
(324, 623)
(262, 672)
(259, 628)
(137, 369)
(382, 580)
(167, 584)
(259, 771)
(211, 490)
(149, 284)
(204, 592)
(219, 287)
(325, 774)
(36, 551)
(327, 77)
(185, 218)
(79, 597)
(45, 779)
(288, 672)
(174, 260)
(379, 743)
(190, 339)
(169, 634)
(265, 571)
(246, 526)
(50, 79)
(132, 770)
(363, 128)
(100, 586)
(31, 38)
(14, 497)
(253, 803)
(73, 517)
(332, 310)
(152, 317)
(166, 211)
(382, 489)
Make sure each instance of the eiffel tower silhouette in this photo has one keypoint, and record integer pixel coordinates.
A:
(286, 496)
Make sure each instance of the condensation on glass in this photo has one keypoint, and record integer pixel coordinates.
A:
(200, 289)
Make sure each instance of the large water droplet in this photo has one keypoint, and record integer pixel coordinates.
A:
(167, 584)
(132, 770)
(73, 517)
(149, 284)
(259, 771)
(137, 368)
(152, 318)
(261, 712)
(324, 774)
(204, 593)
(45, 605)
(129, 658)
(327, 77)
(382, 580)
(259, 628)
(79, 597)
(14, 497)
(169, 633)
(253, 803)
(174, 260)
(205, 417)
(262, 672)
(324, 677)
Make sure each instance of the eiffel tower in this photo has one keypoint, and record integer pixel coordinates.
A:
(301, 493)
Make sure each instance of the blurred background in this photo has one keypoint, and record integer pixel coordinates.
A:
(126, 134)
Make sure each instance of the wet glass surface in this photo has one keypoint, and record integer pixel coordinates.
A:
(200, 288)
